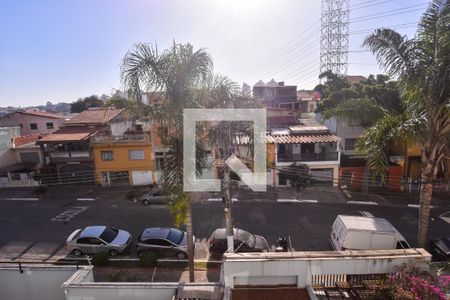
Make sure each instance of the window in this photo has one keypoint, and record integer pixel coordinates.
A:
(109, 234)
(29, 157)
(350, 144)
(33, 126)
(159, 163)
(136, 154)
(49, 125)
(107, 155)
(354, 123)
(158, 242)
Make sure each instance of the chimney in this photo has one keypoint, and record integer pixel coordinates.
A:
(281, 83)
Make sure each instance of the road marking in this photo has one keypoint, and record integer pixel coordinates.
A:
(366, 214)
(296, 201)
(362, 202)
(69, 214)
(445, 218)
(417, 206)
(85, 199)
(220, 199)
(21, 199)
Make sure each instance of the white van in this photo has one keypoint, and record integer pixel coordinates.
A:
(365, 233)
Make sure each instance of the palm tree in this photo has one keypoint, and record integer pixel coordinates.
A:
(175, 76)
(422, 67)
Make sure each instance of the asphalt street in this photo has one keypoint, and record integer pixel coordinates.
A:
(36, 230)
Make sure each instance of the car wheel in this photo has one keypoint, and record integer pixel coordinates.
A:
(181, 255)
(113, 252)
(146, 202)
(77, 252)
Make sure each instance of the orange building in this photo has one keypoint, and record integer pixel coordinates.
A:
(126, 159)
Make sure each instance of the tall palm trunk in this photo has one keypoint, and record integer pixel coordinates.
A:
(189, 231)
(430, 159)
(425, 206)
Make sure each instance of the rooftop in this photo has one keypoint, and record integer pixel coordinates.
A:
(71, 133)
(41, 114)
(96, 116)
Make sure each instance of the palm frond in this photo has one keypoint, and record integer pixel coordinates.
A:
(394, 52)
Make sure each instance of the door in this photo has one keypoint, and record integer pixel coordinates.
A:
(141, 177)
(158, 245)
(91, 245)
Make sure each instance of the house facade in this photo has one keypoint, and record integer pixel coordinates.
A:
(124, 160)
(32, 122)
(277, 94)
(68, 151)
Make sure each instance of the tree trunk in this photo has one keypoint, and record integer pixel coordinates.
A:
(425, 206)
(189, 231)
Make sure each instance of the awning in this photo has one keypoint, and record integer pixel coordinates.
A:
(20, 167)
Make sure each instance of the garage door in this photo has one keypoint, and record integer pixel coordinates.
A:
(322, 176)
(141, 177)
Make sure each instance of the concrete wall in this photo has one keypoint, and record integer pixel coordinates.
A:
(35, 283)
(17, 119)
(255, 269)
(82, 286)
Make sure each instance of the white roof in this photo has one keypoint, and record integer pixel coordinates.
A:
(367, 223)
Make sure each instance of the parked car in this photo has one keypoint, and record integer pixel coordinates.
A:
(166, 241)
(156, 196)
(244, 241)
(441, 248)
(365, 233)
(94, 239)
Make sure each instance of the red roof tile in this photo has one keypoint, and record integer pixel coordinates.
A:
(26, 139)
(42, 114)
(71, 133)
(301, 139)
(292, 139)
(95, 116)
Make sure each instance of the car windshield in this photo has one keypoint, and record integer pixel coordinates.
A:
(175, 236)
(247, 238)
(109, 234)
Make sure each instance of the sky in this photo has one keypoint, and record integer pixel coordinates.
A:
(64, 50)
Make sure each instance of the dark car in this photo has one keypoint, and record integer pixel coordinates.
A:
(163, 241)
(156, 196)
(441, 248)
(244, 241)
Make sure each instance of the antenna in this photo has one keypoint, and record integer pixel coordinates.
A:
(334, 36)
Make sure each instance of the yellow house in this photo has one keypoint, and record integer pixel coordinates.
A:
(124, 160)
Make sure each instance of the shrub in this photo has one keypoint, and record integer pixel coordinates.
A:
(100, 259)
(148, 259)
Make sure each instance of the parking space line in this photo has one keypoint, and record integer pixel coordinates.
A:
(362, 202)
(85, 199)
(21, 199)
(296, 201)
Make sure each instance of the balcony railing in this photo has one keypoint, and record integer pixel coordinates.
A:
(66, 156)
(130, 138)
(293, 157)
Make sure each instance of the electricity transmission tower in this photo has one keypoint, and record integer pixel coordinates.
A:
(334, 36)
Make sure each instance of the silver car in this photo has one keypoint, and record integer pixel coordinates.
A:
(166, 241)
(94, 239)
(156, 196)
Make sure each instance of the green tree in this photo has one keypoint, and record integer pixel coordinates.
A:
(299, 175)
(179, 74)
(85, 103)
(422, 66)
